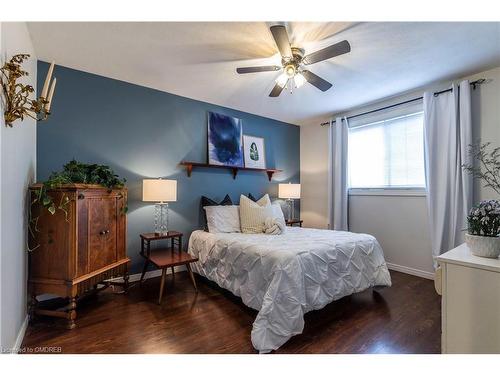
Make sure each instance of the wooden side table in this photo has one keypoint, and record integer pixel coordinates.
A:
(165, 257)
(293, 222)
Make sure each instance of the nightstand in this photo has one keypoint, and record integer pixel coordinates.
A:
(165, 257)
(293, 222)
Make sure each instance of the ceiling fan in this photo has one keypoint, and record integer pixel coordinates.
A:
(293, 61)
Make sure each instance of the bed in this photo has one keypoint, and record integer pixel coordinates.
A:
(285, 276)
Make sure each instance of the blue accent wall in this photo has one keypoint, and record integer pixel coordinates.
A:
(145, 133)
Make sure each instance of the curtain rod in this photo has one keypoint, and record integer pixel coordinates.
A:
(473, 84)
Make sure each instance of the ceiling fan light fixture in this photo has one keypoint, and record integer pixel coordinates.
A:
(299, 80)
(293, 59)
(290, 70)
(282, 80)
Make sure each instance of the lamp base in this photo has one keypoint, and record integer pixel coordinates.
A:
(291, 209)
(161, 218)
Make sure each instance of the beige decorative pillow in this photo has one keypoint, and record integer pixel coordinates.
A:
(254, 214)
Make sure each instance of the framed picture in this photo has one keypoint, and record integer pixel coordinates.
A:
(254, 151)
(225, 140)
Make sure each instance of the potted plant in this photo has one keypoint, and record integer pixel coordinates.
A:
(483, 229)
(73, 172)
(484, 219)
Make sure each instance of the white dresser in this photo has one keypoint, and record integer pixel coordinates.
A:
(470, 289)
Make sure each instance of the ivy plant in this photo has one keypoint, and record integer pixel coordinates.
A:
(73, 172)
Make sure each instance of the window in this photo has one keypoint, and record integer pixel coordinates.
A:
(388, 153)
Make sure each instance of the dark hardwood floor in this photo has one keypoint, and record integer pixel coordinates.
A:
(405, 318)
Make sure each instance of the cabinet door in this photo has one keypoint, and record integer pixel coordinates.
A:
(102, 215)
(472, 306)
(54, 242)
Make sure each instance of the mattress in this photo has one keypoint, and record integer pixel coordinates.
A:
(285, 276)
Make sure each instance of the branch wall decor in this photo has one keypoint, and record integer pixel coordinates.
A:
(17, 95)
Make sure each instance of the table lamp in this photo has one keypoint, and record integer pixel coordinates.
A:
(289, 192)
(161, 192)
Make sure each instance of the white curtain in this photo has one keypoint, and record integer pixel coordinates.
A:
(447, 134)
(337, 174)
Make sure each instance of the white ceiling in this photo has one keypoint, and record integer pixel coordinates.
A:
(198, 60)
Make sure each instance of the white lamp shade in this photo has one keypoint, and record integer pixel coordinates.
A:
(158, 190)
(289, 191)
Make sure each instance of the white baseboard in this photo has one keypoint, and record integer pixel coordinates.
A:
(20, 336)
(411, 271)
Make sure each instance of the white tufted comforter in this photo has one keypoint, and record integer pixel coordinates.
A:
(283, 277)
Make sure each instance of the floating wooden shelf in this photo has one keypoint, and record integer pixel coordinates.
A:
(191, 164)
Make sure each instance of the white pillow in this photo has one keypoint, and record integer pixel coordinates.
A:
(253, 214)
(223, 219)
(278, 213)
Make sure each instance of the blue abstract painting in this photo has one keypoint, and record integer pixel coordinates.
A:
(225, 140)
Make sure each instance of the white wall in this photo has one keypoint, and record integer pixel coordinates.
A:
(400, 223)
(314, 176)
(486, 118)
(17, 163)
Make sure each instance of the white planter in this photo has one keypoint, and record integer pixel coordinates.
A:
(488, 247)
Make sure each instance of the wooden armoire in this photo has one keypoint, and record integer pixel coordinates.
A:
(78, 247)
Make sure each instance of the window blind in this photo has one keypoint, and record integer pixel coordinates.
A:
(387, 153)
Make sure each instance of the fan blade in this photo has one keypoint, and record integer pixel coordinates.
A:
(281, 38)
(316, 81)
(256, 69)
(276, 91)
(327, 53)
